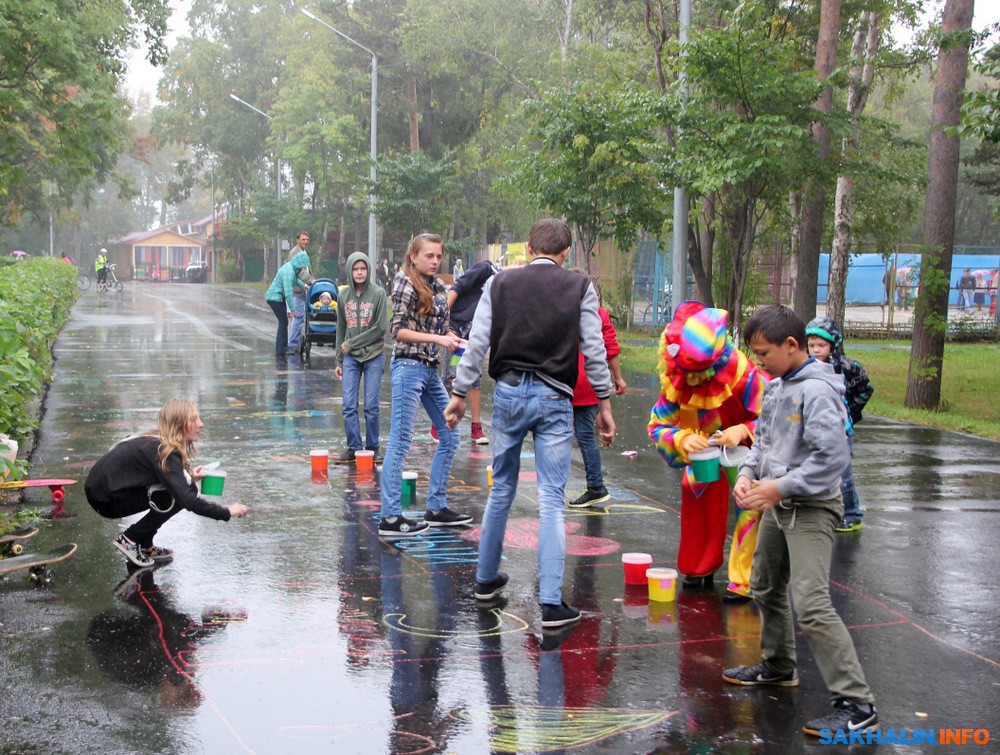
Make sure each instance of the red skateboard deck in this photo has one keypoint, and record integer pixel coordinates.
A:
(37, 563)
(58, 488)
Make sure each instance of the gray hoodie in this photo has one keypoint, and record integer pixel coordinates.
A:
(801, 437)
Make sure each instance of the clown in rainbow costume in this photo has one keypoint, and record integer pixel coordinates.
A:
(710, 395)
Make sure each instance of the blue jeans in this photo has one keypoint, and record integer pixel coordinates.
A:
(281, 339)
(530, 406)
(852, 503)
(415, 383)
(298, 318)
(372, 372)
(583, 428)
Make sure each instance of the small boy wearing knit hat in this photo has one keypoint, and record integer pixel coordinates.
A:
(826, 344)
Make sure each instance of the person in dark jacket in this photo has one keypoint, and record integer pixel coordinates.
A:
(826, 343)
(152, 473)
(535, 321)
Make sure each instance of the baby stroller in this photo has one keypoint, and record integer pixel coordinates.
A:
(320, 326)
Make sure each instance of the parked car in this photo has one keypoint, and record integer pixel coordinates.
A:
(196, 272)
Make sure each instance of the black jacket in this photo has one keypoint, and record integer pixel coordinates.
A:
(132, 466)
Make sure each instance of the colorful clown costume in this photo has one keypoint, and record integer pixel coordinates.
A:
(711, 390)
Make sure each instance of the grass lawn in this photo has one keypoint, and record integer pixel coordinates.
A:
(969, 389)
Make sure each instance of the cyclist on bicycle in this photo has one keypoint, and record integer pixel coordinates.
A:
(101, 266)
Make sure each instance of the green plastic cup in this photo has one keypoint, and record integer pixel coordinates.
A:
(409, 490)
(213, 482)
(705, 464)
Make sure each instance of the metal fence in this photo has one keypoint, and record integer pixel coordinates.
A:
(651, 305)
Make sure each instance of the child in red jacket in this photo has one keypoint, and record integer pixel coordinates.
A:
(585, 406)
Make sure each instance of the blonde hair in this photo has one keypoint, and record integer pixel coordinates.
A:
(425, 296)
(171, 428)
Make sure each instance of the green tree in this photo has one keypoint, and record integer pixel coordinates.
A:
(743, 140)
(595, 159)
(415, 193)
(62, 122)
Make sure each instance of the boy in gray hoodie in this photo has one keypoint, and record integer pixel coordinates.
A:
(792, 475)
(361, 327)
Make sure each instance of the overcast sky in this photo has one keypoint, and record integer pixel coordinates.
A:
(142, 76)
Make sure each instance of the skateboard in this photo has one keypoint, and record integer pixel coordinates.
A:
(12, 540)
(37, 563)
(58, 487)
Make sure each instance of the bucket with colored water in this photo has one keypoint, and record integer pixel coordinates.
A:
(213, 482)
(662, 585)
(705, 464)
(730, 459)
(636, 565)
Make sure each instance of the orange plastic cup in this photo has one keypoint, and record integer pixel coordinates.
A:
(364, 460)
(320, 459)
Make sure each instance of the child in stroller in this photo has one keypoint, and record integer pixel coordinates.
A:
(320, 326)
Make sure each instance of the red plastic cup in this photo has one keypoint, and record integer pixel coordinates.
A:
(364, 460)
(635, 567)
(320, 459)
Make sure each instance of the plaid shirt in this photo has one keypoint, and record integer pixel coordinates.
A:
(405, 305)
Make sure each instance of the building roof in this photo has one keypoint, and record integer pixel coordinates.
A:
(169, 238)
(199, 228)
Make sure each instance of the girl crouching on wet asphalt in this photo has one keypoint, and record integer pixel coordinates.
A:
(420, 326)
(152, 473)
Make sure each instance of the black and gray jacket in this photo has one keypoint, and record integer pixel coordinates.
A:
(856, 383)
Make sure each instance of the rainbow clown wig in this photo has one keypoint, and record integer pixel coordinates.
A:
(699, 365)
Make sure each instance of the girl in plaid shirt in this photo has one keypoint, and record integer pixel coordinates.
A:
(421, 328)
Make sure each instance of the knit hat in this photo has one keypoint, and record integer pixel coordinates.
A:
(827, 329)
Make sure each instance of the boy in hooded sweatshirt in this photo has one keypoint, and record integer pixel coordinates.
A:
(361, 327)
(826, 343)
(792, 476)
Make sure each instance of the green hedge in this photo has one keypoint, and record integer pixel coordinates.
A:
(36, 296)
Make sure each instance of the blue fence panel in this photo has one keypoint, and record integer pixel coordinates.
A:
(651, 285)
(866, 282)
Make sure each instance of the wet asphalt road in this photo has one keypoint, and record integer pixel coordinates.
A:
(298, 630)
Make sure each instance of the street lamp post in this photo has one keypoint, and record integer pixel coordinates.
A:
(680, 238)
(373, 149)
(277, 182)
(214, 276)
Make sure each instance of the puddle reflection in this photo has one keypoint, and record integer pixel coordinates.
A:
(149, 645)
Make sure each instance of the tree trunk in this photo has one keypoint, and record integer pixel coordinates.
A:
(411, 91)
(865, 46)
(794, 234)
(814, 193)
(930, 319)
(701, 251)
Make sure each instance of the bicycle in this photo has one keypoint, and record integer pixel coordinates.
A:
(82, 281)
(110, 281)
(652, 317)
